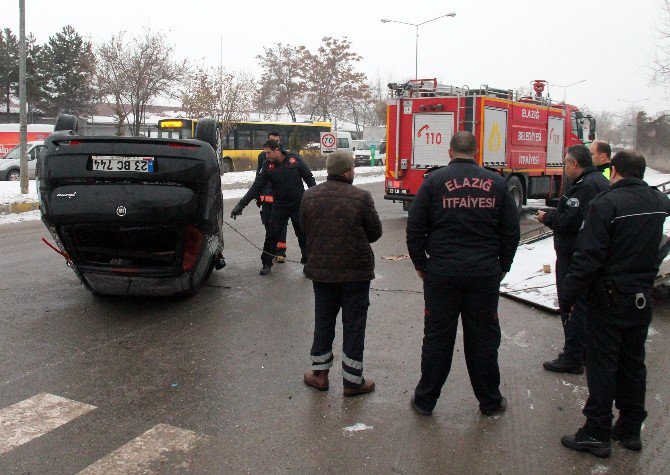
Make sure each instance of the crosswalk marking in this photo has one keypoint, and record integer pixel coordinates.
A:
(34, 417)
(137, 455)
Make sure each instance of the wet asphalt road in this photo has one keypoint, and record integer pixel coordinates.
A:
(223, 371)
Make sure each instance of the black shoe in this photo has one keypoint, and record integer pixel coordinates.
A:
(628, 438)
(564, 365)
(417, 408)
(584, 442)
(499, 409)
(266, 270)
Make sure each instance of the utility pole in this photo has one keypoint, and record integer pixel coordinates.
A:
(23, 127)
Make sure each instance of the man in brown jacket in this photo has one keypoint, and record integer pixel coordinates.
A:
(340, 222)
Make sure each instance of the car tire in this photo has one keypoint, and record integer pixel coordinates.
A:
(207, 131)
(516, 188)
(13, 174)
(66, 122)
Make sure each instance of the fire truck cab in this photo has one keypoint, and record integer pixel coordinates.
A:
(522, 138)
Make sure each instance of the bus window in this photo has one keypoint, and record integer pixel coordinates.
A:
(259, 138)
(228, 142)
(243, 140)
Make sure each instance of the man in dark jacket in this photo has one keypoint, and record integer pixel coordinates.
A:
(267, 198)
(340, 222)
(565, 221)
(286, 172)
(617, 260)
(462, 234)
(600, 154)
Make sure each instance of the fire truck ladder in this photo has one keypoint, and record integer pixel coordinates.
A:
(425, 88)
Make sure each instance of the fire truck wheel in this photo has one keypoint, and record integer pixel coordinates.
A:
(66, 122)
(516, 188)
(206, 131)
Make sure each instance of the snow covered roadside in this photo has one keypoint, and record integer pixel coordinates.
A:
(235, 185)
(527, 279)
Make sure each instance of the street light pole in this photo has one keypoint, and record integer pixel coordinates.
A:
(416, 42)
(634, 118)
(566, 87)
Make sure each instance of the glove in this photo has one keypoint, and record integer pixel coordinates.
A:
(237, 211)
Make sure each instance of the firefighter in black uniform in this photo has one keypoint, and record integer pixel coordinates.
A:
(565, 221)
(617, 260)
(462, 234)
(286, 172)
(265, 202)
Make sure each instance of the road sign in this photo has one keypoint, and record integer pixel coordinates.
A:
(328, 142)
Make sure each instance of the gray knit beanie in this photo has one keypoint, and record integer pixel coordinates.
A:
(339, 162)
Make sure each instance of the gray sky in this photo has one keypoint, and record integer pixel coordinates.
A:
(504, 44)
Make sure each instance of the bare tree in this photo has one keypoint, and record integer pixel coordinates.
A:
(330, 78)
(132, 73)
(661, 68)
(281, 84)
(225, 95)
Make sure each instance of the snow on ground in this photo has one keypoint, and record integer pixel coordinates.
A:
(10, 192)
(527, 279)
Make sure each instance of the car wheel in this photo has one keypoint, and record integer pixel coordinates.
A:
(13, 175)
(515, 187)
(206, 131)
(66, 122)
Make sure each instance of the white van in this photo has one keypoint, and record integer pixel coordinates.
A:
(345, 142)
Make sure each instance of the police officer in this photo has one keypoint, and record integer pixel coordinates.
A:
(617, 260)
(600, 154)
(286, 172)
(565, 221)
(265, 202)
(462, 234)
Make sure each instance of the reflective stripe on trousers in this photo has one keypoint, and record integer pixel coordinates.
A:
(320, 362)
(352, 370)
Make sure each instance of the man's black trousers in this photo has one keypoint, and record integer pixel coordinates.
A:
(574, 326)
(475, 299)
(615, 369)
(276, 229)
(354, 299)
(266, 212)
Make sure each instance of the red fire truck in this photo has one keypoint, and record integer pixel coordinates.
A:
(9, 135)
(521, 137)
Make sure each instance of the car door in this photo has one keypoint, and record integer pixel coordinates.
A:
(32, 160)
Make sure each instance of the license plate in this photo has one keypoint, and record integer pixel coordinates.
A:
(108, 163)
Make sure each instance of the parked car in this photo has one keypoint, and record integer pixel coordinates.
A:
(134, 215)
(10, 165)
(362, 153)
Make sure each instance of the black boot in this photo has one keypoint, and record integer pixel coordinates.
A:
(492, 411)
(564, 365)
(588, 440)
(628, 435)
(266, 270)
